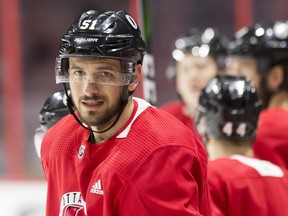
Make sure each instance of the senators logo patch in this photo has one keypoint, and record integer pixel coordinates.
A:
(72, 204)
(73, 211)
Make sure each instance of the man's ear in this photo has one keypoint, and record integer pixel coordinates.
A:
(138, 73)
(275, 77)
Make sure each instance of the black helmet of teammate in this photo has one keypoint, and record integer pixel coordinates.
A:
(267, 43)
(102, 34)
(230, 106)
(53, 110)
(199, 42)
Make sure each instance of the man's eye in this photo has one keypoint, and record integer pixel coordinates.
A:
(106, 74)
(78, 73)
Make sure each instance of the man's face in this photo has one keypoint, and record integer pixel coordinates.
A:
(192, 75)
(243, 66)
(97, 103)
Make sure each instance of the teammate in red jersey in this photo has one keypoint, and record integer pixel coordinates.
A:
(239, 183)
(196, 57)
(53, 110)
(117, 154)
(260, 52)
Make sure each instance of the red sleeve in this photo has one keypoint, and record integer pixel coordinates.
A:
(271, 140)
(176, 108)
(218, 195)
(184, 192)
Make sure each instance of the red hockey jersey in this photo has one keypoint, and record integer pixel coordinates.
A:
(271, 141)
(153, 166)
(241, 186)
(176, 108)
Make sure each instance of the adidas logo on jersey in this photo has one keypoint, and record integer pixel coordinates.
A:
(97, 188)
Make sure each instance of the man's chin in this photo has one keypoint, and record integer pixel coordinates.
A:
(88, 119)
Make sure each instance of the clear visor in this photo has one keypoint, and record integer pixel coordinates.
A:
(102, 76)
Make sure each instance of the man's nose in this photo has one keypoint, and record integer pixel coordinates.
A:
(90, 87)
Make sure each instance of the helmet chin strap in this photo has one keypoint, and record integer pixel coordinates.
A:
(124, 101)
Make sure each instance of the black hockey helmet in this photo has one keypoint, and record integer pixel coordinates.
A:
(199, 42)
(107, 34)
(53, 110)
(267, 43)
(230, 106)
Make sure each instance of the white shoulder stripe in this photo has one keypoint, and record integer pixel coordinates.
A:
(264, 168)
(142, 105)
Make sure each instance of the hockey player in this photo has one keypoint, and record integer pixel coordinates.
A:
(53, 110)
(239, 183)
(260, 52)
(197, 56)
(117, 154)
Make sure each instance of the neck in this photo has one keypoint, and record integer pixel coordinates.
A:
(217, 148)
(279, 100)
(124, 117)
(189, 110)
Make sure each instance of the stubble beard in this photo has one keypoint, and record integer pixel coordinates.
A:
(100, 119)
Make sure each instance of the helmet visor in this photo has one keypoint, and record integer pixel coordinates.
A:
(64, 74)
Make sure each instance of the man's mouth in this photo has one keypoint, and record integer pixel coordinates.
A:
(92, 104)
